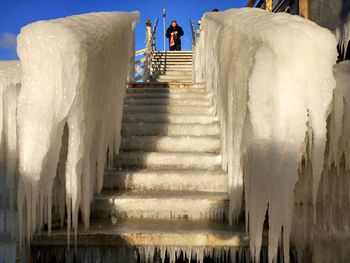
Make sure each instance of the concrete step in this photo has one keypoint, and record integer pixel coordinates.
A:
(209, 144)
(170, 66)
(160, 205)
(166, 60)
(169, 129)
(166, 180)
(172, 79)
(168, 102)
(146, 232)
(170, 96)
(174, 73)
(168, 118)
(165, 85)
(165, 90)
(175, 109)
(170, 62)
(168, 160)
(170, 53)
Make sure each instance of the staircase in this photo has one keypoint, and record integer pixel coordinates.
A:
(166, 197)
(171, 66)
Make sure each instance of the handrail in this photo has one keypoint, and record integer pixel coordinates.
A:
(142, 66)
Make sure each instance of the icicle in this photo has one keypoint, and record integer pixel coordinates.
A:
(57, 91)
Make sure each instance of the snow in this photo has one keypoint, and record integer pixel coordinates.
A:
(74, 78)
(271, 81)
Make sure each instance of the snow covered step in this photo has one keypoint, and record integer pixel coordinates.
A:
(167, 102)
(172, 58)
(171, 67)
(169, 129)
(171, 63)
(165, 78)
(168, 118)
(147, 233)
(166, 180)
(192, 95)
(165, 85)
(164, 90)
(208, 144)
(160, 205)
(176, 109)
(168, 160)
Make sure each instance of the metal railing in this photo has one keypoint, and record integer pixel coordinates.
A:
(195, 33)
(275, 5)
(143, 57)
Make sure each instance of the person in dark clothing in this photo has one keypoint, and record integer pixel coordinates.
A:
(174, 33)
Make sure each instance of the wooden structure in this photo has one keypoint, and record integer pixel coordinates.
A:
(281, 5)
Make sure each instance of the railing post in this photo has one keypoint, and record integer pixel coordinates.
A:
(304, 8)
(268, 5)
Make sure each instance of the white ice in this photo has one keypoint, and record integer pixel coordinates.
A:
(74, 76)
(10, 79)
(271, 81)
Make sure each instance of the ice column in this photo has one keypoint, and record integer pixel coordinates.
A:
(10, 79)
(271, 80)
(74, 76)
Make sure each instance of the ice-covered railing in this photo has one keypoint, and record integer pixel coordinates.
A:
(143, 57)
(75, 71)
(10, 79)
(271, 80)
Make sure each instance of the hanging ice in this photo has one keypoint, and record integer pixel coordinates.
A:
(74, 75)
(271, 80)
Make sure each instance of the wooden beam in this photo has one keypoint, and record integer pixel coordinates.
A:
(251, 3)
(304, 8)
(268, 5)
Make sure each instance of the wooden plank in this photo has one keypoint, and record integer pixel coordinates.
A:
(304, 8)
(268, 5)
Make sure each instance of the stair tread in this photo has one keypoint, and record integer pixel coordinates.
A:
(147, 232)
(164, 195)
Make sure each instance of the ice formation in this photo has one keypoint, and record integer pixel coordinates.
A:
(343, 36)
(74, 78)
(10, 79)
(271, 81)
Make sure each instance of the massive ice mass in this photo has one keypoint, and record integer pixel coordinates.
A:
(74, 78)
(271, 81)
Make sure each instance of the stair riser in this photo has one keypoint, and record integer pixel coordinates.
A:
(171, 144)
(165, 181)
(167, 102)
(165, 90)
(164, 118)
(170, 130)
(168, 161)
(168, 96)
(160, 208)
(168, 109)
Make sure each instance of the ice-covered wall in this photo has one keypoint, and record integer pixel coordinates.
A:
(10, 79)
(271, 81)
(74, 78)
(329, 13)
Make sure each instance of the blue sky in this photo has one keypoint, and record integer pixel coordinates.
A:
(15, 14)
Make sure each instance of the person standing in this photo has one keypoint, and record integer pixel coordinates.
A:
(174, 33)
